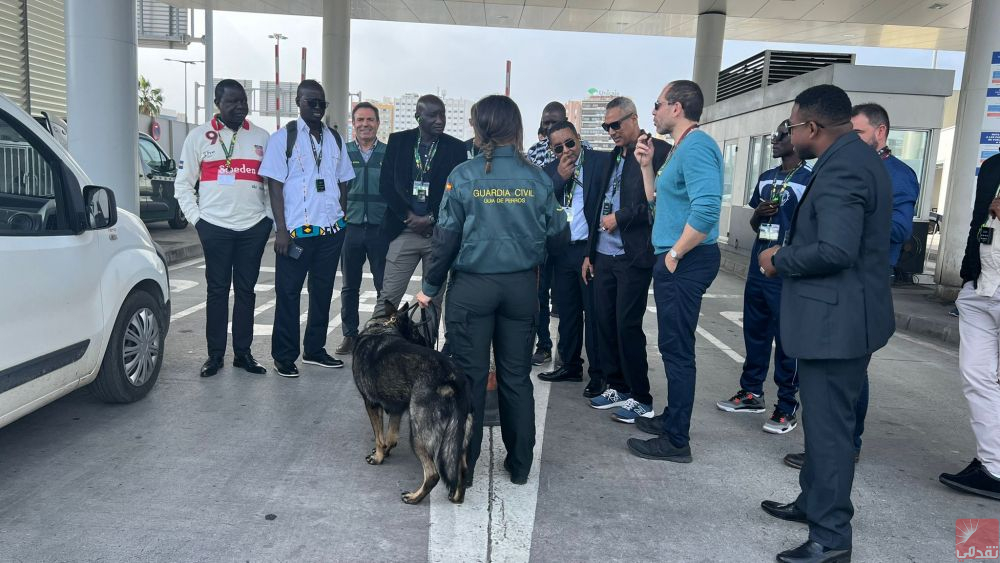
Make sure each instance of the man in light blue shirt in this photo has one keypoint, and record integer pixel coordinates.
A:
(687, 191)
(308, 169)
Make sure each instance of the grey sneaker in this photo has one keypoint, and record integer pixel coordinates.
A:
(541, 356)
(780, 422)
(744, 401)
(346, 346)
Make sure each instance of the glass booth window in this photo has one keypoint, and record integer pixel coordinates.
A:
(729, 169)
(760, 161)
(910, 146)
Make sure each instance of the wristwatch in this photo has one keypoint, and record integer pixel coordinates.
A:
(674, 255)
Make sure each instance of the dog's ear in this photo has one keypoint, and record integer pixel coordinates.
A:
(390, 309)
(402, 310)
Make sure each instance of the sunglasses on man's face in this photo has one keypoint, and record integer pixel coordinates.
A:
(615, 125)
(658, 104)
(568, 144)
(317, 104)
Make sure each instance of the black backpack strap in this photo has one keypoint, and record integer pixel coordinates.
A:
(293, 131)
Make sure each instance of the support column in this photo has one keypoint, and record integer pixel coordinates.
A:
(982, 41)
(708, 53)
(102, 98)
(209, 41)
(337, 61)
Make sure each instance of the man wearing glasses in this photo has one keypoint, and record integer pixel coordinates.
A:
(308, 169)
(836, 308)
(578, 176)
(619, 264)
(687, 191)
(774, 200)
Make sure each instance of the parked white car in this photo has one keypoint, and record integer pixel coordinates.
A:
(84, 292)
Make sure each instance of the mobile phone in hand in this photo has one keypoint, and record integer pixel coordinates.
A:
(294, 251)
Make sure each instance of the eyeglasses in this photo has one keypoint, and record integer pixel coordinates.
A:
(317, 104)
(558, 149)
(616, 125)
(779, 135)
(788, 125)
(658, 104)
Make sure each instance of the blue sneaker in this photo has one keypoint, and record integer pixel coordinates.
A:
(608, 399)
(631, 410)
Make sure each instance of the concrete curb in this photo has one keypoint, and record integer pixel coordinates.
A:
(182, 252)
(941, 329)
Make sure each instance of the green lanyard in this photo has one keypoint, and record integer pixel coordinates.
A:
(229, 152)
(422, 167)
(616, 180)
(568, 196)
(670, 154)
(776, 195)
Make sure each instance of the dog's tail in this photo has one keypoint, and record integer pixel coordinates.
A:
(457, 431)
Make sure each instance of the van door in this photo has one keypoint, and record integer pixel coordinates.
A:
(50, 276)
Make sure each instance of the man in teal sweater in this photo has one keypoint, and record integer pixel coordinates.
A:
(687, 191)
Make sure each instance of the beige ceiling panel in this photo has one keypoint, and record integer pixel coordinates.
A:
(666, 25)
(394, 10)
(922, 15)
(508, 2)
(362, 10)
(546, 3)
(538, 17)
(430, 11)
(956, 19)
(689, 7)
(503, 15)
(883, 11)
(590, 4)
(785, 10)
(617, 22)
(837, 10)
(637, 5)
(744, 8)
(467, 13)
(576, 19)
(751, 29)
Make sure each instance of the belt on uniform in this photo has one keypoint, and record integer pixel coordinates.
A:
(577, 242)
(307, 231)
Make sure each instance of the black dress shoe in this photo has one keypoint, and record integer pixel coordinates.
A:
(323, 360)
(976, 480)
(248, 363)
(211, 367)
(516, 478)
(561, 374)
(654, 426)
(286, 370)
(594, 388)
(659, 449)
(795, 461)
(812, 552)
(788, 511)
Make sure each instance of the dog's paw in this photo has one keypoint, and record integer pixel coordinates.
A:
(457, 497)
(410, 498)
(375, 458)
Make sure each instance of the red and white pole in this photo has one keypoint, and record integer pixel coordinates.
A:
(507, 89)
(277, 89)
(303, 64)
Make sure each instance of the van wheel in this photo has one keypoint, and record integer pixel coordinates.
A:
(179, 221)
(135, 353)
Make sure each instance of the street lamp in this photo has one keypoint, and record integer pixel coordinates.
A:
(186, 64)
(277, 80)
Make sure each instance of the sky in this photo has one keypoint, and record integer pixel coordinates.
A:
(392, 58)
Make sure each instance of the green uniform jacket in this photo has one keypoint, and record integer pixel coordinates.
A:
(365, 203)
(495, 223)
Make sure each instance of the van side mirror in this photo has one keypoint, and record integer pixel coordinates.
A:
(102, 212)
(170, 165)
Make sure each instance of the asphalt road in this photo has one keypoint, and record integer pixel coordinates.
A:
(261, 468)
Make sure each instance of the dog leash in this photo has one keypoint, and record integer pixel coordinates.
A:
(424, 327)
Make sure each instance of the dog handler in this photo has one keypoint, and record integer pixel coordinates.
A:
(498, 215)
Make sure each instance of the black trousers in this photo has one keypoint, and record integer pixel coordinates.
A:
(319, 259)
(361, 242)
(829, 391)
(500, 309)
(544, 340)
(575, 301)
(621, 292)
(232, 259)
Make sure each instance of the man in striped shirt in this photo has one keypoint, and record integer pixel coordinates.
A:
(230, 212)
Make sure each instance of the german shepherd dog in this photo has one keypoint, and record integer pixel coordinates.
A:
(396, 370)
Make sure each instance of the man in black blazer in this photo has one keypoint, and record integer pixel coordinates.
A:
(578, 175)
(415, 169)
(836, 308)
(620, 260)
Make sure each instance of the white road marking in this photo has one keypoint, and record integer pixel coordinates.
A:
(185, 264)
(925, 344)
(496, 520)
(735, 316)
(720, 345)
(188, 311)
(177, 286)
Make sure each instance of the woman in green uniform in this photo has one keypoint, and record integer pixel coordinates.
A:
(497, 218)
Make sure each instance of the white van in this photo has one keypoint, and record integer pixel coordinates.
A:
(84, 293)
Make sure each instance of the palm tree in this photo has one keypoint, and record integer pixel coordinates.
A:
(150, 99)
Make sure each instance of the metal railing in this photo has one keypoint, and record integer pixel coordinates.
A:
(24, 172)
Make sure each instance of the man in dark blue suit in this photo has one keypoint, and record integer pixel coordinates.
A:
(836, 309)
(577, 175)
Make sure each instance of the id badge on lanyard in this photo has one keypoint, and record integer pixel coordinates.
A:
(770, 232)
(420, 190)
(226, 177)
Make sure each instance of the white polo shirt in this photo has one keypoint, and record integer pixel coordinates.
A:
(237, 204)
(303, 204)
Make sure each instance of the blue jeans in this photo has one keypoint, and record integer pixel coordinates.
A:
(678, 303)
